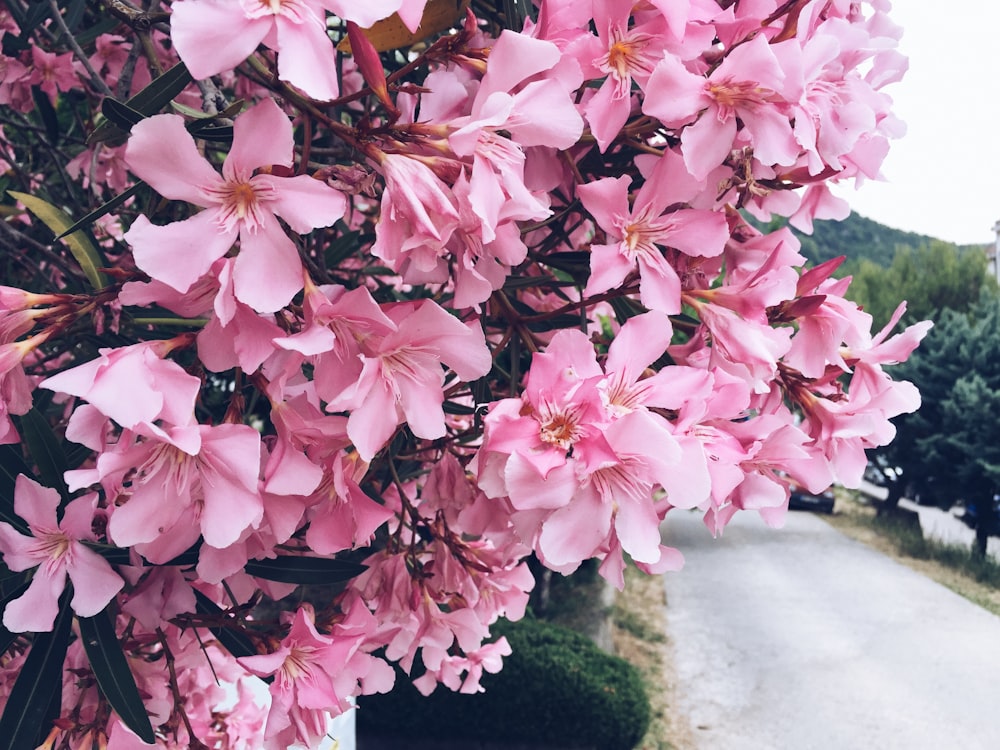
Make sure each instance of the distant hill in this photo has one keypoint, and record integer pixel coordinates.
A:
(856, 237)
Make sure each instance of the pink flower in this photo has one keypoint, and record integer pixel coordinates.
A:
(133, 385)
(639, 236)
(402, 378)
(745, 87)
(239, 204)
(55, 550)
(417, 218)
(315, 674)
(212, 36)
(624, 55)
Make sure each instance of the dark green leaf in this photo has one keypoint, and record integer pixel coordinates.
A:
(304, 570)
(120, 114)
(235, 641)
(450, 407)
(345, 245)
(108, 207)
(515, 12)
(6, 639)
(147, 102)
(576, 263)
(44, 108)
(37, 12)
(218, 133)
(45, 450)
(625, 308)
(13, 586)
(74, 14)
(556, 322)
(114, 677)
(11, 464)
(23, 721)
(526, 282)
(103, 27)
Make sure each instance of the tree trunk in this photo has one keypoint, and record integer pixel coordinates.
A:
(982, 537)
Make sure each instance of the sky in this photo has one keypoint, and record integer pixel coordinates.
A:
(943, 177)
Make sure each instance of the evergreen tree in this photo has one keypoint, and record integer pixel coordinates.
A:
(933, 277)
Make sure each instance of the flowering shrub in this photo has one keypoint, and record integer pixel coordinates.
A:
(356, 306)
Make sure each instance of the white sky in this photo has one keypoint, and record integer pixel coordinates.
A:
(943, 176)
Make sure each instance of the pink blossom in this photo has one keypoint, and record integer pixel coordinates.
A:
(212, 36)
(417, 217)
(238, 204)
(316, 674)
(402, 378)
(640, 234)
(55, 550)
(133, 385)
(173, 487)
(747, 85)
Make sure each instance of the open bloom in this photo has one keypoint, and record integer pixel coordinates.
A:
(55, 550)
(212, 36)
(239, 205)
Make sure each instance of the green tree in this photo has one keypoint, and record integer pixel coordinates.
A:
(933, 277)
(950, 448)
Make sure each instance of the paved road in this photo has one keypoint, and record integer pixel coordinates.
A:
(803, 639)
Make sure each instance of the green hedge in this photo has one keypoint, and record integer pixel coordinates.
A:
(556, 688)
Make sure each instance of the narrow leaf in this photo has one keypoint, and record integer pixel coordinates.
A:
(44, 108)
(120, 114)
(39, 680)
(147, 102)
(6, 639)
(114, 677)
(108, 207)
(45, 449)
(37, 12)
(235, 642)
(82, 247)
(304, 570)
(11, 464)
(12, 587)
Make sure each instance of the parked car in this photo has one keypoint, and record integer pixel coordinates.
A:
(803, 499)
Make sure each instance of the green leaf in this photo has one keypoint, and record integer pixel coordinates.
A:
(147, 102)
(304, 570)
(12, 587)
(235, 641)
(45, 449)
(44, 108)
(114, 677)
(6, 639)
(82, 247)
(40, 679)
(120, 114)
(108, 207)
(202, 118)
(11, 464)
(103, 27)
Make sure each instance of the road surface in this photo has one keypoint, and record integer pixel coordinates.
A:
(804, 639)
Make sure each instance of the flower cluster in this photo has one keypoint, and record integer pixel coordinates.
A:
(358, 331)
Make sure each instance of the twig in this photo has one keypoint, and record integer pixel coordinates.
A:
(95, 80)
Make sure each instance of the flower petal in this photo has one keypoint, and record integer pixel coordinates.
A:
(268, 272)
(303, 202)
(162, 152)
(211, 36)
(261, 136)
(180, 253)
(94, 582)
(36, 609)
